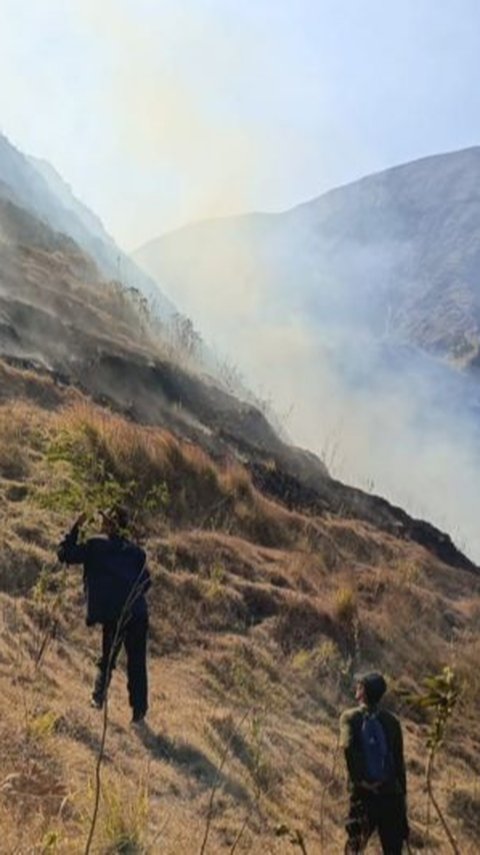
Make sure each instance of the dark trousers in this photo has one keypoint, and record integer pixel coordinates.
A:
(133, 636)
(370, 812)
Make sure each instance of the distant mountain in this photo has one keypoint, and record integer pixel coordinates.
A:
(36, 187)
(396, 254)
(359, 313)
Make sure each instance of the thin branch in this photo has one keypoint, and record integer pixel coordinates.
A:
(240, 833)
(435, 804)
(216, 783)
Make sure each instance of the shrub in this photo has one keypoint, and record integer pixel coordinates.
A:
(101, 460)
(21, 565)
(42, 726)
(300, 626)
(124, 819)
(20, 428)
(345, 605)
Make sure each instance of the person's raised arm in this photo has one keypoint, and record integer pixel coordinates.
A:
(69, 550)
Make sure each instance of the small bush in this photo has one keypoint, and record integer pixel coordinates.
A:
(345, 605)
(124, 819)
(20, 566)
(301, 625)
(408, 572)
(101, 460)
(16, 429)
(42, 726)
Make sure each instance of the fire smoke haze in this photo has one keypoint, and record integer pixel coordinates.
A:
(159, 113)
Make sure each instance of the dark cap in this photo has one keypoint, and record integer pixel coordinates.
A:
(374, 685)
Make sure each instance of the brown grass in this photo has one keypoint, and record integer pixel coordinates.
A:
(252, 608)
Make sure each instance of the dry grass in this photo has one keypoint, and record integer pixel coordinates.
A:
(345, 605)
(252, 612)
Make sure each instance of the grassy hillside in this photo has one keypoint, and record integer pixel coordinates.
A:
(260, 615)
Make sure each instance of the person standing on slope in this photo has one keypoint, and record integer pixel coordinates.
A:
(373, 744)
(115, 580)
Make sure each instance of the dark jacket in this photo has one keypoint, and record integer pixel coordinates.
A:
(115, 575)
(350, 740)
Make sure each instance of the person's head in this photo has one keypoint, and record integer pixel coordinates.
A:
(115, 521)
(370, 688)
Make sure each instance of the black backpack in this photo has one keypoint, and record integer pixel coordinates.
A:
(377, 755)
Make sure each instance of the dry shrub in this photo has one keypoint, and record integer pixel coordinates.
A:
(261, 602)
(323, 660)
(124, 817)
(186, 606)
(221, 609)
(32, 773)
(236, 481)
(301, 625)
(142, 458)
(464, 804)
(18, 383)
(21, 428)
(20, 566)
(263, 522)
(408, 572)
(244, 672)
(345, 605)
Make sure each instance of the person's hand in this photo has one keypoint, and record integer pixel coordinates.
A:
(81, 520)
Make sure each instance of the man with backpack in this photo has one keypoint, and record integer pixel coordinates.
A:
(373, 744)
(115, 580)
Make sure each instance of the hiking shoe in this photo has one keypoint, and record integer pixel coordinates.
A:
(96, 703)
(138, 720)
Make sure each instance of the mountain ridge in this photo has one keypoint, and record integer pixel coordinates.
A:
(36, 186)
(318, 231)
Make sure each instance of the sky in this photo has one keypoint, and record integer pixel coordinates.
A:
(158, 113)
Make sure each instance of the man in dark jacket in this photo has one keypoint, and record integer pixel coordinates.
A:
(373, 744)
(115, 580)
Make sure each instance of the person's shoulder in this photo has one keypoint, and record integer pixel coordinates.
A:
(349, 715)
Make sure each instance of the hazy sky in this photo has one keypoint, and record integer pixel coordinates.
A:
(158, 112)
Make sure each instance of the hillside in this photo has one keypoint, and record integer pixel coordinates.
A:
(272, 584)
(396, 252)
(357, 313)
(259, 617)
(60, 316)
(36, 187)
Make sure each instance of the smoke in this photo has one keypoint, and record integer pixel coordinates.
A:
(396, 433)
(384, 416)
(168, 91)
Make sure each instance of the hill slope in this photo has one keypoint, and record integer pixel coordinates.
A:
(272, 584)
(358, 313)
(260, 615)
(36, 187)
(60, 316)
